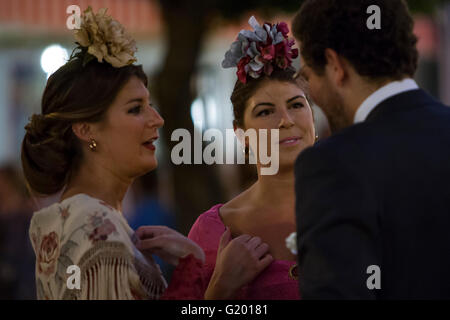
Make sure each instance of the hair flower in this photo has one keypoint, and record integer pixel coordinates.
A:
(257, 52)
(105, 39)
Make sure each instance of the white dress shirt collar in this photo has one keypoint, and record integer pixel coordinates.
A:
(387, 91)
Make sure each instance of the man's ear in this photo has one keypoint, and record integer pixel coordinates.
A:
(336, 66)
(83, 131)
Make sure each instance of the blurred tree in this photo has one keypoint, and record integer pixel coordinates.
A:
(186, 23)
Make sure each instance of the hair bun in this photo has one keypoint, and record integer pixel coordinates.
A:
(46, 154)
(39, 130)
(35, 125)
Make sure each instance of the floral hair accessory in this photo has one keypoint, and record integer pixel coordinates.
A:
(259, 51)
(103, 38)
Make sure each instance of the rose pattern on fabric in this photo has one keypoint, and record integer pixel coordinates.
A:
(103, 231)
(48, 254)
(99, 228)
(62, 236)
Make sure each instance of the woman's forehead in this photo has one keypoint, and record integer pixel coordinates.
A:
(134, 88)
(277, 90)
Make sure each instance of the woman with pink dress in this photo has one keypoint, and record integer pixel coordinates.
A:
(267, 95)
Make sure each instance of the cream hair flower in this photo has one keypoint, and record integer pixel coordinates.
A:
(105, 38)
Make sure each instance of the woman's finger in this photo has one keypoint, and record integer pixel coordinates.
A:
(254, 242)
(152, 244)
(145, 232)
(224, 239)
(265, 261)
(261, 250)
(243, 238)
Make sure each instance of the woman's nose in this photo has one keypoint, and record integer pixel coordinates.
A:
(155, 118)
(285, 120)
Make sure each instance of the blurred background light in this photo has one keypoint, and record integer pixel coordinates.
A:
(52, 58)
(198, 114)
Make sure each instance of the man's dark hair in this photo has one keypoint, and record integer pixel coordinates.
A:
(389, 52)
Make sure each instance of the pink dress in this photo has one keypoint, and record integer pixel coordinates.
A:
(277, 282)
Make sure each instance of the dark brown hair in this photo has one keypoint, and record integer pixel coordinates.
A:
(74, 93)
(389, 52)
(243, 92)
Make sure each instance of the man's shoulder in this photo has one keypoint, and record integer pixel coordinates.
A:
(361, 145)
(342, 143)
(432, 114)
(369, 143)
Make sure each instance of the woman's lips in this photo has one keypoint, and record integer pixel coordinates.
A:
(290, 141)
(149, 145)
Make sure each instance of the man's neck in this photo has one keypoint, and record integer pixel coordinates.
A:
(360, 91)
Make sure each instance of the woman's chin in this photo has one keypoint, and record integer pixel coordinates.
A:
(287, 164)
(150, 165)
(287, 159)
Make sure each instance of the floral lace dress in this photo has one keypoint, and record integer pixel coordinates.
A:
(88, 233)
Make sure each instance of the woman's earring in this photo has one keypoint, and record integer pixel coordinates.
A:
(92, 144)
(317, 138)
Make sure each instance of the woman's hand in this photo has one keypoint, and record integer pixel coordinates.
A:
(166, 243)
(238, 262)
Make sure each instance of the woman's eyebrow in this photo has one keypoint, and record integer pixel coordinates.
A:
(293, 98)
(135, 100)
(263, 104)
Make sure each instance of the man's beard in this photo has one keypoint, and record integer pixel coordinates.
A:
(332, 105)
(337, 118)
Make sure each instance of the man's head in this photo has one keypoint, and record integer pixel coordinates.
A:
(344, 60)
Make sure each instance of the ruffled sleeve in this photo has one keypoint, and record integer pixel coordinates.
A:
(188, 281)
(191, 278)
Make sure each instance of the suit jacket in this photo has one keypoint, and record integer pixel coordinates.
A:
(378, 194)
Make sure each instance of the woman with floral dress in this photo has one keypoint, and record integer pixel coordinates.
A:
(94, 136)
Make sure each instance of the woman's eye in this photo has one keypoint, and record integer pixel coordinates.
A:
(298, 105)
(135, 110)
(263, 113)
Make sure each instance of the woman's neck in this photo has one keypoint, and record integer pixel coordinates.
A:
(276, 190)
(99, 182)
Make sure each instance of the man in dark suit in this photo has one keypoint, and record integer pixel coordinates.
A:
(373, 200)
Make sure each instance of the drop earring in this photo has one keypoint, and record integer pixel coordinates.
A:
(92, 144)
